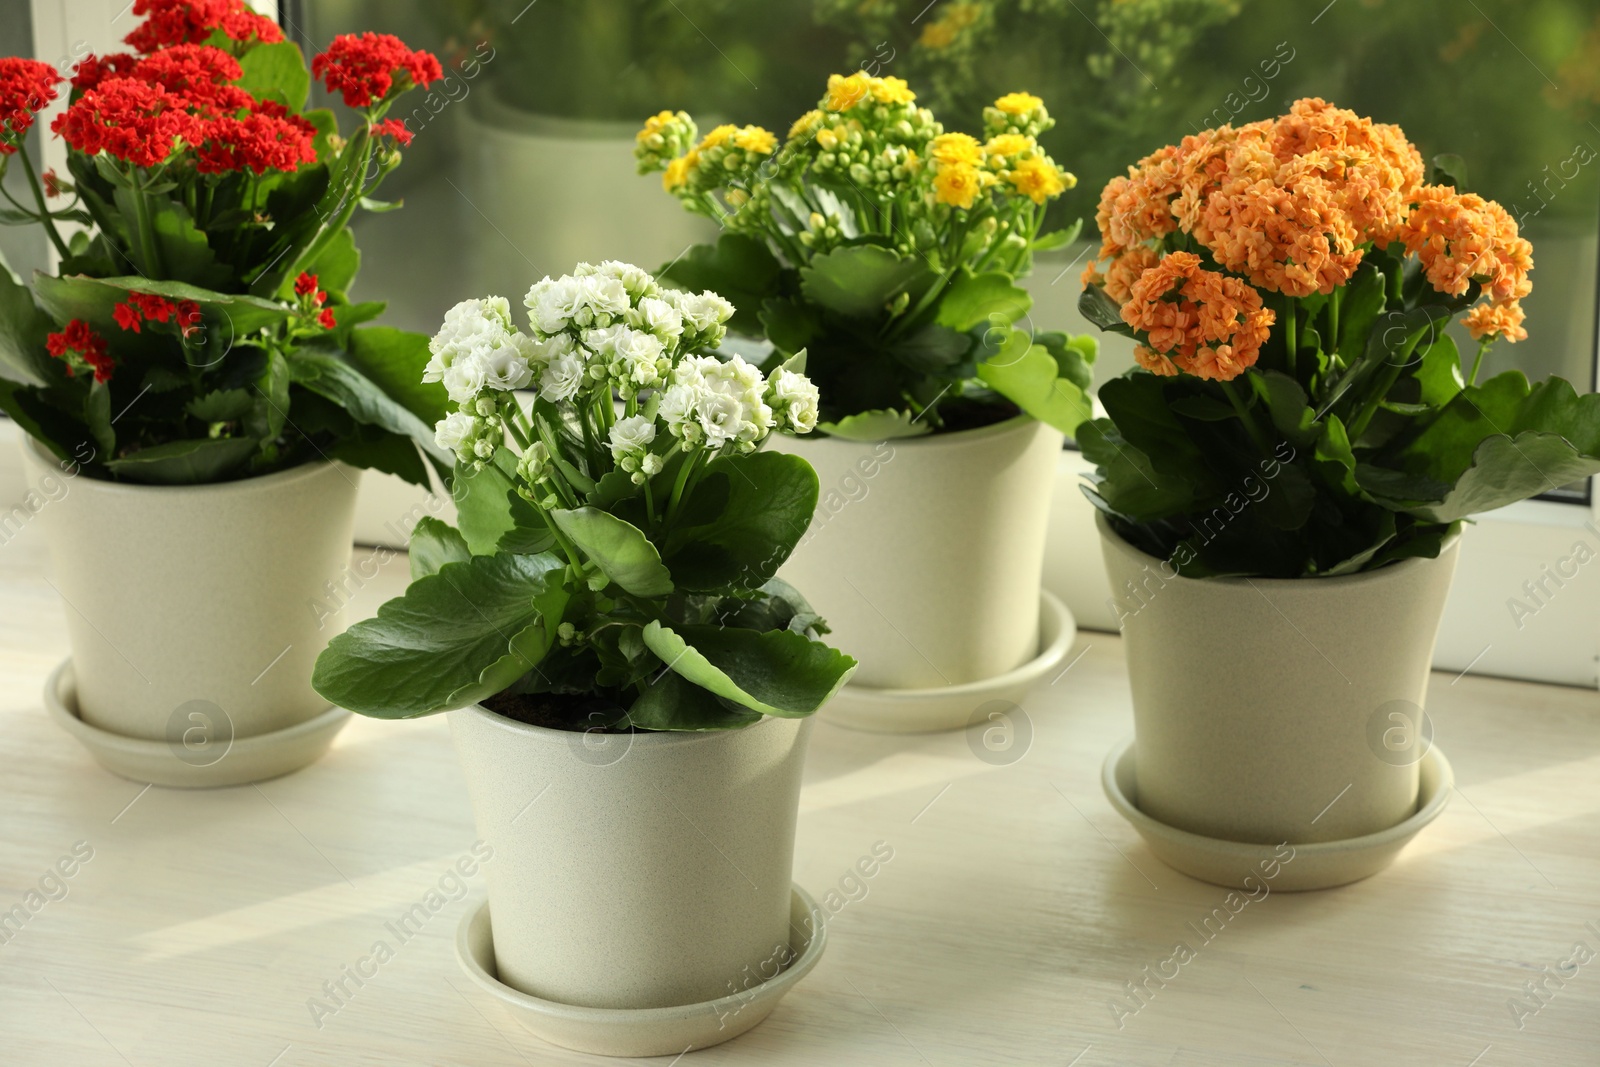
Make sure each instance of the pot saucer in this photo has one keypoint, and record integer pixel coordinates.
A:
(954, 707)
(241, 760)
(1320, 865)
(645, 1031)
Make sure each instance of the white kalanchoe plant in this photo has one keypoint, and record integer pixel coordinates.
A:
(616, 513)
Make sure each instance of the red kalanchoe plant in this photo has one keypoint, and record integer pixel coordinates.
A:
(26, 87)
(80, 348)
(364, 68)
(176, 22)
(212, 257)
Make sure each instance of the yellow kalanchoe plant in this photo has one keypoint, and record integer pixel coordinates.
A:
(888, 249)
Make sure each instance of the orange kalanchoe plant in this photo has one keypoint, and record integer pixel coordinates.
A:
(1300, 407)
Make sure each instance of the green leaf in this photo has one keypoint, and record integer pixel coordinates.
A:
(1360, 303)
(22, 333)
(335, 267)
(876, 426)
(1449, 169)
(226, 315)
(1287, 405)
(742, 521)
(1057, 238)
(1028, 375)
(1439, 374)
(976, 299)
(932, 350)
(1074, 355)
(672, 703)
(1334, 457)
(395, 359)
(435, 543)
(183, 252)
(1127, 482)
(738, 267)
(776, 673)
(858, 281)
(619, 548)
(490, 512)
(456, 637)
(790, 324)
(1103, 311)
(363, 398)
(276, 72)
(193, 462)
(1502, 442)
(97, 414)
(221, 405)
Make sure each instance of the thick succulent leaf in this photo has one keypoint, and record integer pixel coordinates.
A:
(619, 548)
(991, 298)
(876, 426)
(743, 520)
(671, 702)
(193, 462)
(23, 327)
(456, 637)
(1502, 442)
(1029, 376)
(1103, 311)
(1128, 484)
(859, 281)
(776, 673)
(226, 316)
(433, 544)
(363, 398)
(276, 72)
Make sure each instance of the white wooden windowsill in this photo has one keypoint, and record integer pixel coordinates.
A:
(1015, 908)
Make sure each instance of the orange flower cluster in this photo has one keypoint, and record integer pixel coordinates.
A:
(1199, 321)
(1461, 238)
(1291, 205)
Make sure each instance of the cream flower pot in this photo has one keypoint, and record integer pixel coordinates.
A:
(648, 871)
(925, 553)
(208, 600)
(1272, 710)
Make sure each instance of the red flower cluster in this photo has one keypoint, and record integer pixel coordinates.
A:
(363, 68)
(393, 128)
(26, 86)
(312, 297)
(82, 349)
(182, 97)
(92, 69)
(148, 307)
(171, 22)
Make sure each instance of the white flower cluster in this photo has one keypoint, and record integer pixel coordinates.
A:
(609, 330)
(714, 403)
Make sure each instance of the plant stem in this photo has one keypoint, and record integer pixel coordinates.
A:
(38, 198)
(147, 237)
(1291, 338)
(1244, 416)
(1477, 362)
(690, 459)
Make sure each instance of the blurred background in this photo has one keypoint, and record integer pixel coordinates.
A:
(522, 163)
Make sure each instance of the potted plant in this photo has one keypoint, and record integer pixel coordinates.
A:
(889, 249)
(549, 131)
(1282, 479)
(606, 626)
(197, 369)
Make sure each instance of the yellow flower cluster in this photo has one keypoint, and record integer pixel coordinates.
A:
(945, 30)
(725, 152)
(964, 168)
(1020, 113)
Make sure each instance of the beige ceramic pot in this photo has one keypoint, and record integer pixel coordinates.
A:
(208, 600)
(925, 553)
(635, 870)
(1271, 710)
